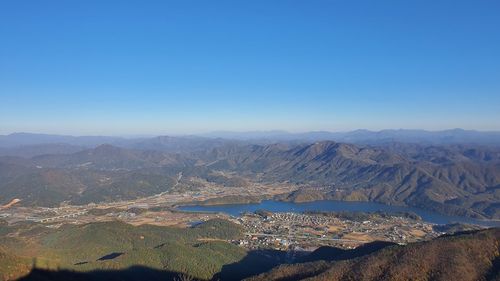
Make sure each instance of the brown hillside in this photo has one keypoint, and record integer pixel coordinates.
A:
(473, 256)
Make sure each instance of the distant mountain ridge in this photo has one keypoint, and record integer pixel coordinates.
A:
(28, 151)
(27, 139)
(452, 136)
(29, 145)
(210, 140)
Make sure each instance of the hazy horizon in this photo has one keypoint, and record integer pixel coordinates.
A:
(218, 133)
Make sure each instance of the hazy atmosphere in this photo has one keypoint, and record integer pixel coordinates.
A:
(182, 67)
(249, 140)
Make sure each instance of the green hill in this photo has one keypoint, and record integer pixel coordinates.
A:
(11, 266)
(201, 251)
(464, 256)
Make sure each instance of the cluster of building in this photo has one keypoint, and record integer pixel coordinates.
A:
(295, 231)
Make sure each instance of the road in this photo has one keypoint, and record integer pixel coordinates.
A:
(307, 237)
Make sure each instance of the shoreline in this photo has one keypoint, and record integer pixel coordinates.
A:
(390, 209)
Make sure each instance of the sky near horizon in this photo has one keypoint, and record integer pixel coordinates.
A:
(160, 67)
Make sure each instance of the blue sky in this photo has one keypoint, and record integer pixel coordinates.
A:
(179, 67)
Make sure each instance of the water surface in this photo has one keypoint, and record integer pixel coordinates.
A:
(334, 206)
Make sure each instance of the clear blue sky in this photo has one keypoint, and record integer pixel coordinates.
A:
(176, 67)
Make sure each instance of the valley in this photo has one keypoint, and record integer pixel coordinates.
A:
(249, 140)
(229, 210)
(296, 233)
(460, 180)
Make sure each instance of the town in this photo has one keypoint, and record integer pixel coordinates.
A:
(307, 231)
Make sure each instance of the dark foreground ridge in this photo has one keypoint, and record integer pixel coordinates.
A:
(464, 256)
(471, 255)
(135, 273)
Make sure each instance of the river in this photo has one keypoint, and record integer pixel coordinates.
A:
(334, 206)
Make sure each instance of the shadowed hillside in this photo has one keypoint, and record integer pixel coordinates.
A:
(467, 256)
(136, 273)
(200, 251)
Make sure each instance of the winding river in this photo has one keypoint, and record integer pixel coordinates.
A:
(335, 206)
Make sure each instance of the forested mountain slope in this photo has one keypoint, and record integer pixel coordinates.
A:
(453, 179)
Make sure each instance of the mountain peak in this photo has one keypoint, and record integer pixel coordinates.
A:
(106, 149)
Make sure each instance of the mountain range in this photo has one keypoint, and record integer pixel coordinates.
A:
(459, 179)
(452, 136)
(202, 141)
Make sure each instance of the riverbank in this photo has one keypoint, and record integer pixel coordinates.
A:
(332, 205)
